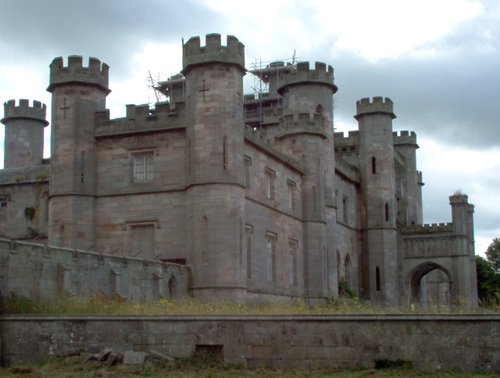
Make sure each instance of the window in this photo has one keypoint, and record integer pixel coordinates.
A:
(143, 170)
(345, 209)
(387, 213)
(3, 202)
(377, 278)
(248, 164)
(270, 181)
(248, 249)
(292, 262)
(271, 256)
(292, 188)
(374, 165)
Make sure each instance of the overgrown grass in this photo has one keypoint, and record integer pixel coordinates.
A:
(188, 306)
(76, 367)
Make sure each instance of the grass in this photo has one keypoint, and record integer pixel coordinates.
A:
(100, 305)
(73, 367)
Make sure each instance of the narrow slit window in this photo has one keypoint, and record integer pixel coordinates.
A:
(377, 278)
(387, 218)
(374, 165)
(224, 153)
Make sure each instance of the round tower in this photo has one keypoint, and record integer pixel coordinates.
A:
(215, 127)
(378, 188)
(78, 92)
(24, 126)
(306, 132)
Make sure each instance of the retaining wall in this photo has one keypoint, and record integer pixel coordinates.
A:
(431, 342)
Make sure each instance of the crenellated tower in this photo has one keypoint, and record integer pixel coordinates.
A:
(464, 259)
(78, 92)
(409, 193)
(306, 134)
(24, 126)
(378, 188)
(215, 188)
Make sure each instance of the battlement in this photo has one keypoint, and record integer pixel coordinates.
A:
(376, 105)
(351, 139)
(96, 74)
(37, 111)
(140, 118)
(428, 228)
(194, 54)
(321, 74)
(303, 123)
(458, 199)
(405, 137)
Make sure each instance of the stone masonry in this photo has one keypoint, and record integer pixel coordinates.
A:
(255, 194)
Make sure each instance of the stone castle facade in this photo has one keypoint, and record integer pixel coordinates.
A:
(255, 194)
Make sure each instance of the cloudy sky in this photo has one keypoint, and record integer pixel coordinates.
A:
(438, 60)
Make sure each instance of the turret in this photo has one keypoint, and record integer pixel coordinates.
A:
(464, 263)
(215, 135)
(306, 131)
(78, 92)
(405, 143)
(376, 163)
(24, 126)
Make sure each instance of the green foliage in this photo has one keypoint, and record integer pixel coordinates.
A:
(345, 290)
(17, 304)
(488, 283)
(29, 213)
(493, 254)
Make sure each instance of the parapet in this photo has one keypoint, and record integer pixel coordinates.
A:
(37, 111)
(405, 137)
(431, 228)
(377, 105)
(96, 74)
(303, 74)
(458, 199)
(141, 119)
(194, 54)
(303, 123)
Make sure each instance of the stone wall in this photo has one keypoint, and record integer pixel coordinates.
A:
(42, 272)
(430, 342)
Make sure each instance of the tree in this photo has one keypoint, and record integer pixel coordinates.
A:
(488, 275)
(493, 254)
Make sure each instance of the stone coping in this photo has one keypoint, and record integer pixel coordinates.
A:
(247, 318)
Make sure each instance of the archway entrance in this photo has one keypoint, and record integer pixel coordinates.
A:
(431, 286)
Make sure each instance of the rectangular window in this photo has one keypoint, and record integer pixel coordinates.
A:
(270, 182)
(271, 256)
(292, 189)
(248, 164)
(345, 209)
(143, 168)
(292, 261)
(248, 249)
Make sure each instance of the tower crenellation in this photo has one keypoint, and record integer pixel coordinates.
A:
(405, 137)
(375, 105)
(96, 73)
(320, 74)
(23, 109)
(213, 52)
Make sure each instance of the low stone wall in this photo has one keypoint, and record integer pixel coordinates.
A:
(429, 342)
(43, 272)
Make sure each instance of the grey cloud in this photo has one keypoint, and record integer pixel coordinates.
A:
(108, 29)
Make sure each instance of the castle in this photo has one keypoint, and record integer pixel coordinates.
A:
(256, 194)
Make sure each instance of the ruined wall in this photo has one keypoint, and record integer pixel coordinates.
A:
(46, 273)
(290, 342)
